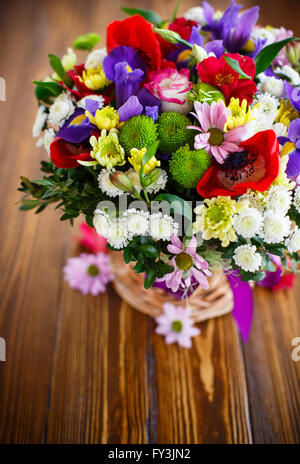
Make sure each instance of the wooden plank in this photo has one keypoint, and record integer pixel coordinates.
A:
(273, 377)
(201, 393)
(99, 383)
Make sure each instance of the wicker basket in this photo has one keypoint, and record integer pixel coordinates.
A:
(205, 304)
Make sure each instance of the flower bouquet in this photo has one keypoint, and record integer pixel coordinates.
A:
(179, 142)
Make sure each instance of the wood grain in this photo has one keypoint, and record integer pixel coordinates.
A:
(92, 370)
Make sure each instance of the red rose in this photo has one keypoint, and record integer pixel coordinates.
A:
(218, 73)
(65, 155)
(138, 33)
(256, 167)
(183, 27)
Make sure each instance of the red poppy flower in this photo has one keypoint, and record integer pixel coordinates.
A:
(218, 73)
(138, 33)
(65, 155)
(183, 27)
(256, 167)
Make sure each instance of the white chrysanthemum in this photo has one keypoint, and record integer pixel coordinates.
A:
(276, 227)
(248, 222)
(289, 72)
(160, 182)
(39, 122)
(162, 227)
(261, 123)
(69, 59)
(279, 129)
(296, 201)
(195, 14)
(135, 179)
(256, 200)
(46, 139)
(106, 185)
(268, 104)
(61, 109)
(246, 257)
(137, 221)
(117, 235)
(101, 222)
(263, 33)
(95, 58)
(272, 86)
(293, 242)
(81, 103)
(279, 199)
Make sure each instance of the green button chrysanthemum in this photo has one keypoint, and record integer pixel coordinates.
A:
(173, 133)
(188, 166)
(138, 132)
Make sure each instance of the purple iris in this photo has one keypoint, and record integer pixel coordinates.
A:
(293, 135)
(130, 108)
(152, 112)
(232, 28)
(293, 94)
(126, 68)
(214, 46)
(78, 127)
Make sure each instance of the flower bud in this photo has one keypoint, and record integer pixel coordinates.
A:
(293, 53)
(121, 181)
(198, 53)
(169, 36)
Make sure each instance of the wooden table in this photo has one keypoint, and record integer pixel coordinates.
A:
(91, 370)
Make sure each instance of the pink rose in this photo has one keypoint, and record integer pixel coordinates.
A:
(171, 87)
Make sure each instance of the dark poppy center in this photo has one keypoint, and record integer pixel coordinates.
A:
(237, 164)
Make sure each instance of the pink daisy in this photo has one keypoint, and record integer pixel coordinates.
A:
(88, 273)
(213, 138)
(189, 267)
(176, 325)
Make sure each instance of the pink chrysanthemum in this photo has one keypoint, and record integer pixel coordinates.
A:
(88, 273)
(189, 267)
(213, 138)
(176, 325)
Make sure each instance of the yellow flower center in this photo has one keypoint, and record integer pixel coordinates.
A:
(216, 136)
(93, 270)
(177, 326)
(183, 261)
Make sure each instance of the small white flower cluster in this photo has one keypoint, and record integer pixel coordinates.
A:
(289, 73)
(98, 98)
(271, 85)
(95, 58)
(246, 257)
(296, 201)
(61, 109)
(265, 109)
(119, 231)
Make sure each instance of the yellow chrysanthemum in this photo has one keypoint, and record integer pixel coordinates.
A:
(286, 113)
(215, 218)
(94, 78)
(282, 179)
(106, 150)
(107, 118)
(240, 115)
(136, 157)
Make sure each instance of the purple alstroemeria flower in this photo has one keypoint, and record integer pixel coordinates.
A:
(232, 28)
(126, 68)
(152, 112)
(259, 44)
(293, 150)
(131, 107)
(76, 128)
(293, 94)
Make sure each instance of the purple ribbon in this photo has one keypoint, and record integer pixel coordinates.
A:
(242, 304)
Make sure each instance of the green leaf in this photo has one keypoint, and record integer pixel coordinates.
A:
(56, 65)
(175, 11)
(234, 64)
(268, 53)
(45, 90)
(128, 255)
(179, 206)
(139, 267)
(86, 41)
(89, 220)
(149, 15)
(150, 278)
(147, 156)
(149, 250)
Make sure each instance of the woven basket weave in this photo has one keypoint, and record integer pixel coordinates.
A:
(205, 304)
